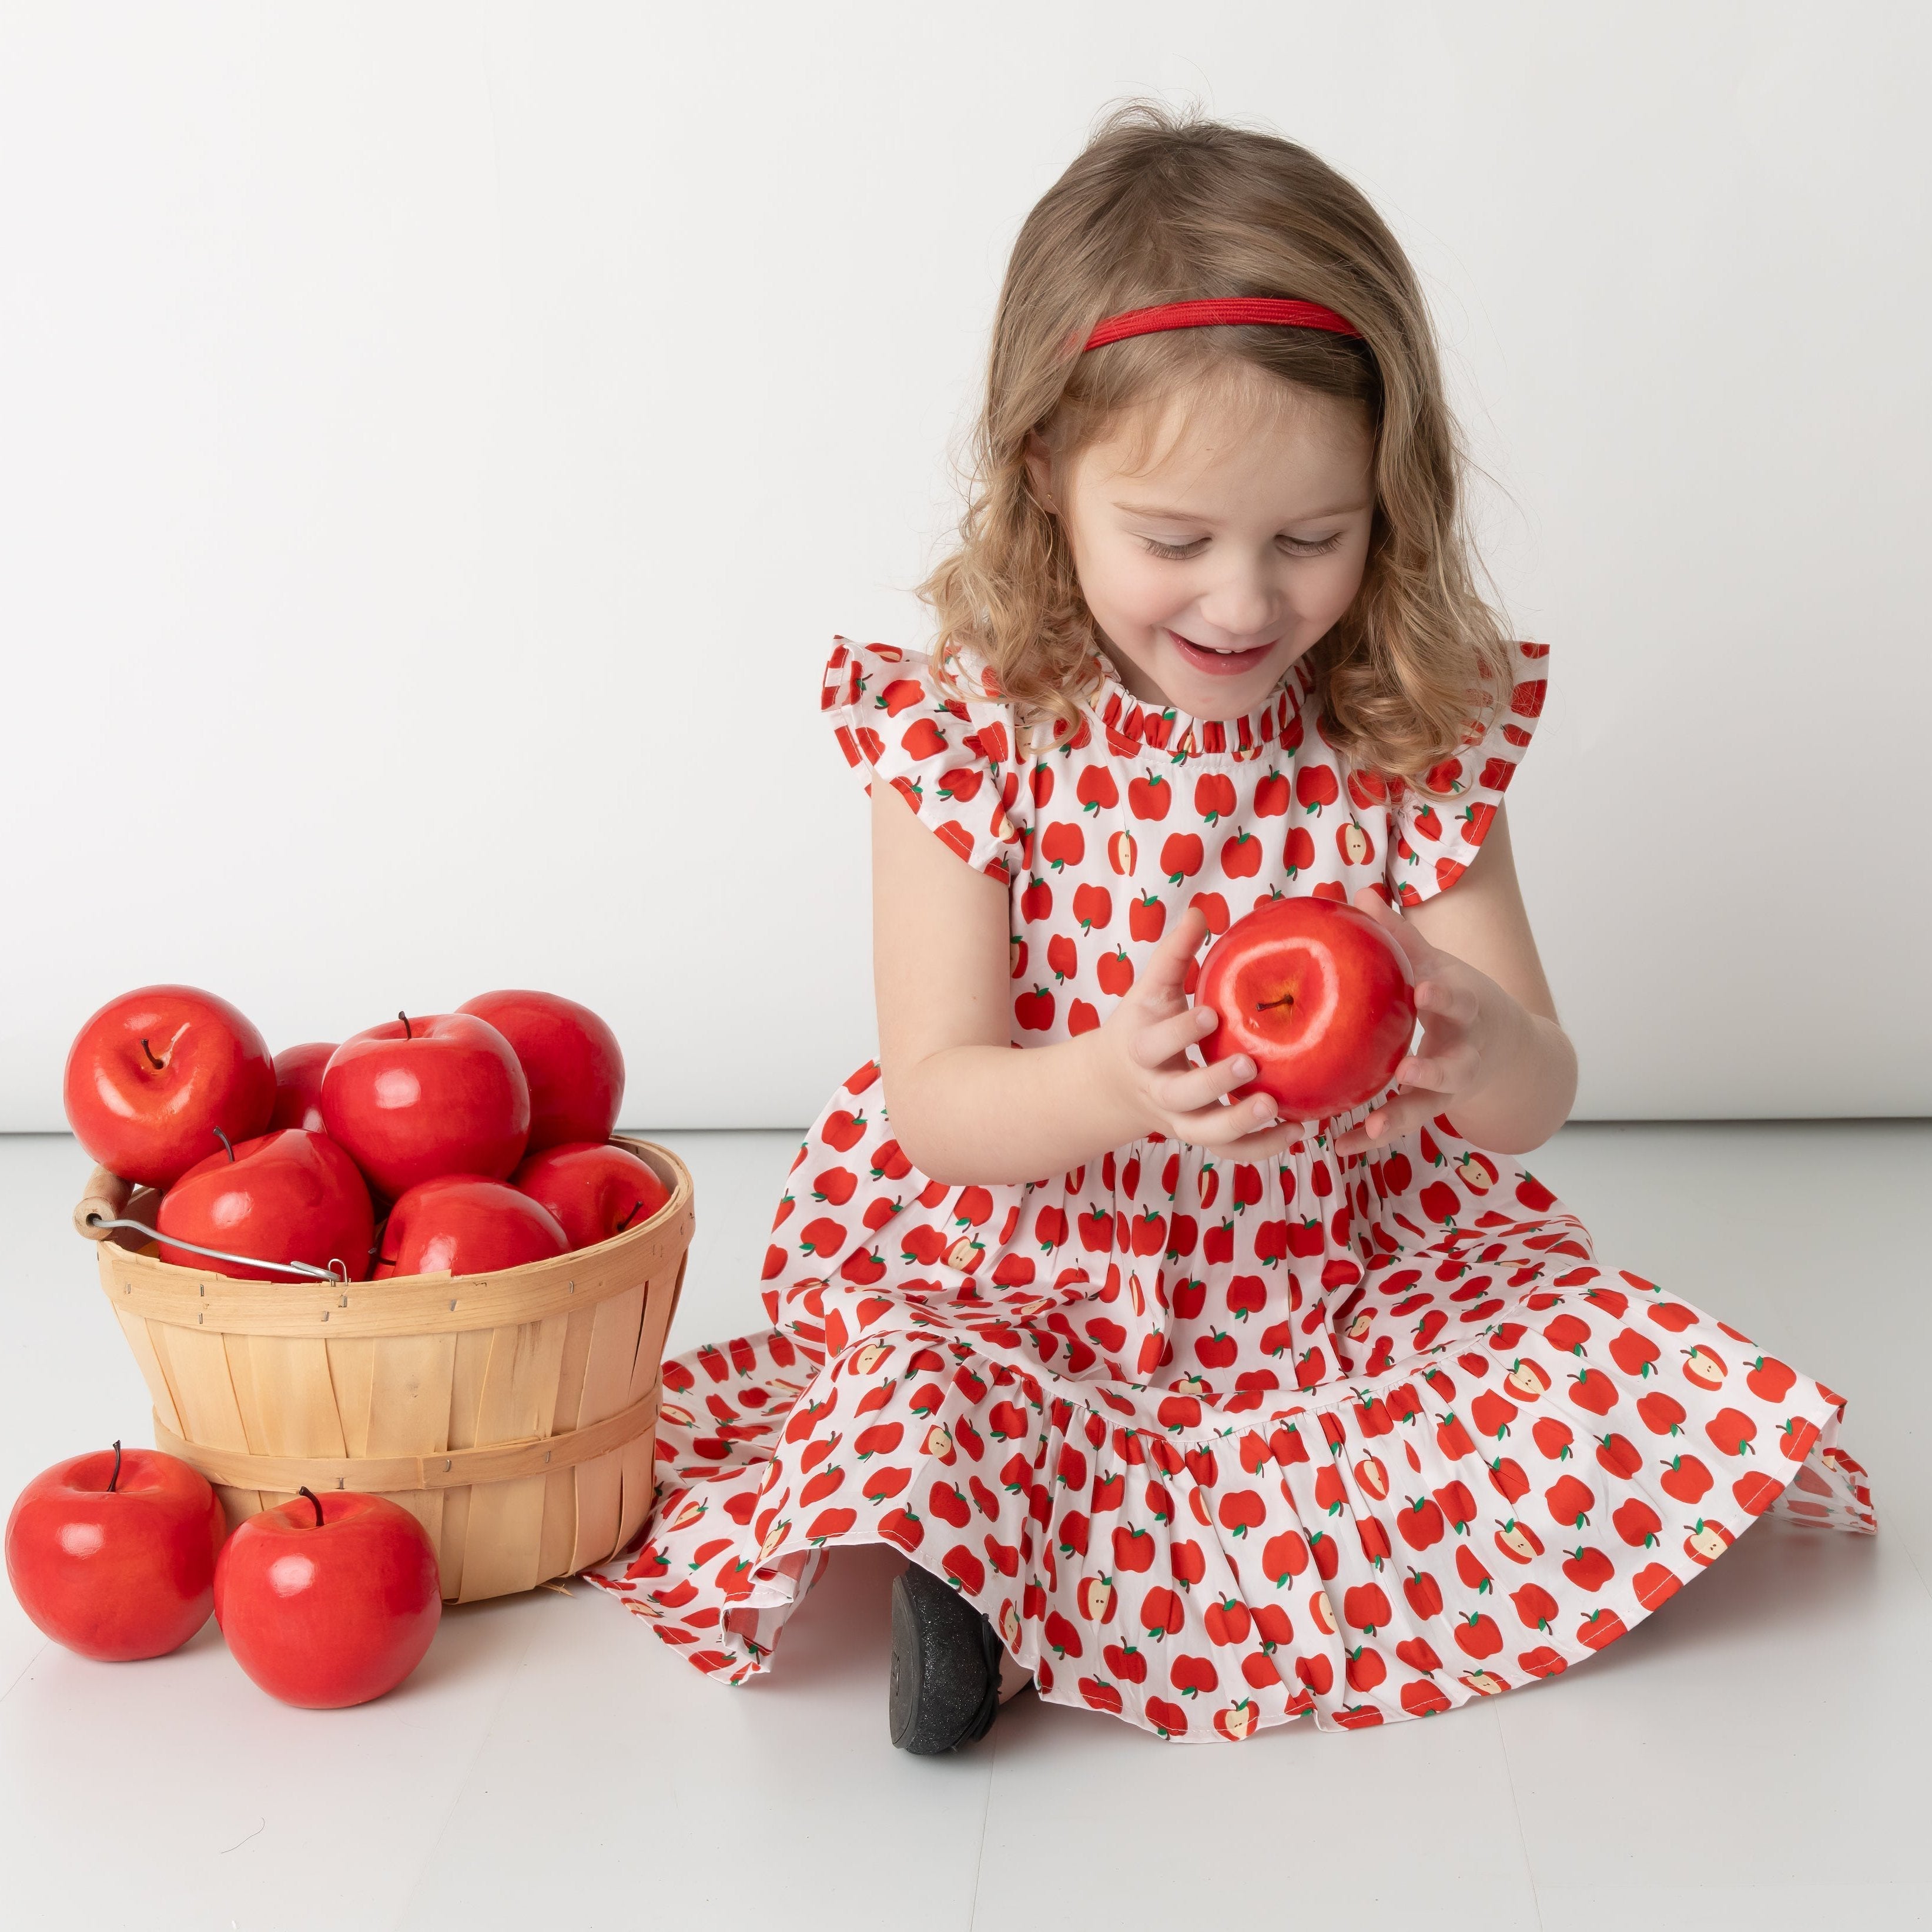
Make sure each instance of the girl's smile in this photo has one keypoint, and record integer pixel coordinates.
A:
(1218, 661)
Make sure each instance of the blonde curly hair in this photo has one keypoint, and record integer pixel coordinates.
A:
(1164, 205)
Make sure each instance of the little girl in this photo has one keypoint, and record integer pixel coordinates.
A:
(1204, 1419)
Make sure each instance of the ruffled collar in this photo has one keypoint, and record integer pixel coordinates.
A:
(1161, 727)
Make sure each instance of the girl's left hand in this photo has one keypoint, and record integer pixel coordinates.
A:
(1455, 1003)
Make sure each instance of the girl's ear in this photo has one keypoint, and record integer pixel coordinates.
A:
(1039, 467)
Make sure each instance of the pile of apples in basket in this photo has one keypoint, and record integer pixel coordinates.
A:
(465, 1142)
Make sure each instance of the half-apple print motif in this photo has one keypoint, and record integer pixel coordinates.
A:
(1213, 1445)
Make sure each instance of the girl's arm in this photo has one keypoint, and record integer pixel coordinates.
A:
(965, 1106)
(1493, 1056)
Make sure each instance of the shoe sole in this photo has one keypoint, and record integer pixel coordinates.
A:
(945, 1690)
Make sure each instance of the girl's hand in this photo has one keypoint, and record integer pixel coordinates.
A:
(1456, 1004)
(1146, 1039)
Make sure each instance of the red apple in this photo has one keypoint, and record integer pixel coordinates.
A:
(416, 1098)
(595, 1190)
(467, 1226)
(112, 1553)
(298, 1085)
(328, 1600)
(571, 1058)
(153, 1073)
(291, 1196)
(1317, 996)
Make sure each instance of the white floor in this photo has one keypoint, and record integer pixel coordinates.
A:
(1754, 1756)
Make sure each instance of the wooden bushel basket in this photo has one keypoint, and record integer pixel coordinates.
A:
(513, 1415)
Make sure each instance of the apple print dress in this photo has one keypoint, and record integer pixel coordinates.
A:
(1212, 1445)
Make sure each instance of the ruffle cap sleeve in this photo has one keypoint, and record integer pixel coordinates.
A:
(1430, 842)
(951, 757)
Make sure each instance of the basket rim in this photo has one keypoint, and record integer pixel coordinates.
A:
(139, 1282)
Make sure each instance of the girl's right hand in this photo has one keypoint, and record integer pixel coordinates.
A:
(1147, 1035)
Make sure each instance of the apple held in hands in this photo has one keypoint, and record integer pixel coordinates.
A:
(298, 1085)
(414, 1099)
(112, 1553)
(1317, 996)
(467, 1226)
(291, 1196)
(152, 1074)
(595, 1190)
(328, 1601)
(571, 1058)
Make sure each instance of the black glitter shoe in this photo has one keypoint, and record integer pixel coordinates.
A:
(946, 1666)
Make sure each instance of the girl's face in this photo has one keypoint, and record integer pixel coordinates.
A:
(1210, 573)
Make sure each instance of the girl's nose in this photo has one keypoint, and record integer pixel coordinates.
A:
(1244, 606)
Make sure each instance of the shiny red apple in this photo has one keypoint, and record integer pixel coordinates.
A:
(595, 1190)
(467, 1226)
(1317, 996)
(152, 1074)
(287, 1196)
(422, 1096)
(298, 1085)
(112, 1553)
(571, 1058)
(329, 1601)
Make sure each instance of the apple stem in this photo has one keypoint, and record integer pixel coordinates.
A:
(1286, 1000)
(116, 1476)
(225, 1142)
(306, 1491)
(405, 1018)
(630, 1217)
(150, 1052)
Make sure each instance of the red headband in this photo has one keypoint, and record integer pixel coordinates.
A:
(1282, 309)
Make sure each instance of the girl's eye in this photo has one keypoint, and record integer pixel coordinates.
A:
(1295, 549)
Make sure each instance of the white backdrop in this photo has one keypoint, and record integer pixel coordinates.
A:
(438, 443)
